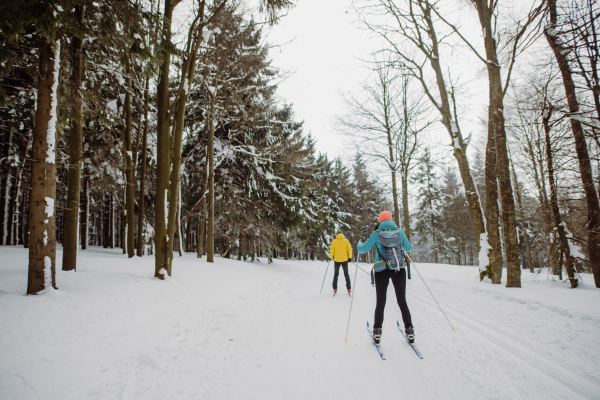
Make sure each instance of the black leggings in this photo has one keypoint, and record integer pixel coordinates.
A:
(337, 273)
(382, 280)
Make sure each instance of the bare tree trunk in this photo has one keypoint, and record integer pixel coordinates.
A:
(85, 209)
(494, 269)
(106, 223)
(142, 204)
(585, 167)
(558, 224)
(42, 250)
(71, 239)
(188, 236)
(111, 221)
(5, 193)
(405, 205)
(13, 205)
(163, 150)
(392, 166)
(496, 113)
(210, 202)
(202, 226)
(129, 171)
(26, 217)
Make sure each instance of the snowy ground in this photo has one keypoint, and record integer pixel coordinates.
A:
(236, 330)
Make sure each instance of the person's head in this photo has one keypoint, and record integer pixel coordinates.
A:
(385, 216)
(339, 233)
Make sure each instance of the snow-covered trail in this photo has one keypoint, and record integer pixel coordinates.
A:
(256, 331)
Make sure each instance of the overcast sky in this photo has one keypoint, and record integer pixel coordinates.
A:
(323, 46)
(322, 49)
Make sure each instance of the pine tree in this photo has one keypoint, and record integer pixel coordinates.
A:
(429, 216)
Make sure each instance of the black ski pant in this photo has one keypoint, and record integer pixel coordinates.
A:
(382, 280)
(337, 273)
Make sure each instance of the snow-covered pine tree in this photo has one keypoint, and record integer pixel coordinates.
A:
(429, 216)
(458, 236)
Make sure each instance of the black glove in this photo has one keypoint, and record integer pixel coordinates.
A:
(350, 259)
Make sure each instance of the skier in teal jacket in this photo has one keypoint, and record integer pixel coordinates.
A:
(383, 274)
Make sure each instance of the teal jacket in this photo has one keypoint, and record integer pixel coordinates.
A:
(373, 240)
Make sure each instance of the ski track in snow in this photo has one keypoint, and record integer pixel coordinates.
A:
(236, 330)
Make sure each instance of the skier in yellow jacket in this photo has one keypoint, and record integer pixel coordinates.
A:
(341, 252)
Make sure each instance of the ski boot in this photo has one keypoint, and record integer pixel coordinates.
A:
(349, 293)
(410, 333)
(376, 335)
(334, 292)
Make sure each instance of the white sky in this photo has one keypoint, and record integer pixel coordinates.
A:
(322, 46)
(325, 51)
(323, 54)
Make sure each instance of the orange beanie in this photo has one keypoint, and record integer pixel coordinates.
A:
(385, 216)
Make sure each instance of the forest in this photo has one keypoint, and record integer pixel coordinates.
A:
(126, 124)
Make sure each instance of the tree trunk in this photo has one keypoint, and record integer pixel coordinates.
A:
(585, 167)
(5, 193)
(71, 239)
(129, 171)
(106, 221)
(558, 224)
(141, 202)
(202, 226)
(42, 250)
(180, 232)
(188, 236)
(405, 205)
(188, 73)
(163, 150)
(13, 205)
(85, 209)
(494, 269)
(111, 221)
(27, 218)
(393, 169)
(210, 202)
(509, 226)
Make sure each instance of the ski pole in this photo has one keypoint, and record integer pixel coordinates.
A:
(360, 268)
(436, 302)
(351, 302)
(324, 277)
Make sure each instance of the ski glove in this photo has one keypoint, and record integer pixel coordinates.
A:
(350, 259)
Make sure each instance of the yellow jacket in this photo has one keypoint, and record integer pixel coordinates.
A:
(340, 249)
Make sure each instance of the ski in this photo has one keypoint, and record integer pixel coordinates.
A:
(417, 352)
(376, 345)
